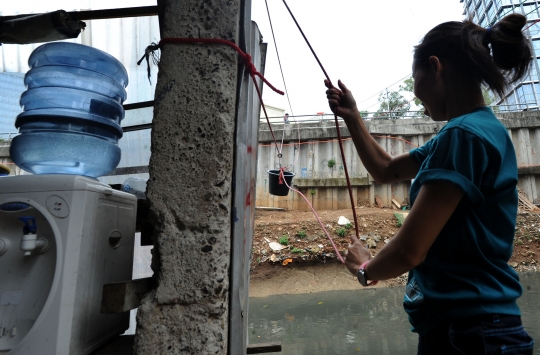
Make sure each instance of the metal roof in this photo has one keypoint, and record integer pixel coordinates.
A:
(124, 38)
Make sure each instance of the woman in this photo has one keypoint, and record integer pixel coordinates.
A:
(457, 239)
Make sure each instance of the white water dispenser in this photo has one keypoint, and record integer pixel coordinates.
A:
(62, 237)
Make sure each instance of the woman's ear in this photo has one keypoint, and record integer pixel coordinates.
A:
(436, 66)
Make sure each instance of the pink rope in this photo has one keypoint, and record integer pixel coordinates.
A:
(282, 178)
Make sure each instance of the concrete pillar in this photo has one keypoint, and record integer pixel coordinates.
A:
(190, 183)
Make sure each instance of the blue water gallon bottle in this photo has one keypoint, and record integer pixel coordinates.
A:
(72, 110)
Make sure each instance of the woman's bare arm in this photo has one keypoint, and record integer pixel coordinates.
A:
(382, 167)
(431, 211)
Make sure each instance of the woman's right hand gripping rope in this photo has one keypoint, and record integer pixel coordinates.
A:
(341, 102)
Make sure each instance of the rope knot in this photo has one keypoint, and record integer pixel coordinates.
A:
(250, 67)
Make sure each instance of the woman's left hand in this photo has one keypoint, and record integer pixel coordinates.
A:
(357, 254)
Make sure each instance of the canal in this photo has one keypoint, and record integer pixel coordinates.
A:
(363, 321)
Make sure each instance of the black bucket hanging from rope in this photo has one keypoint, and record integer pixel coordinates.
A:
(277, 187)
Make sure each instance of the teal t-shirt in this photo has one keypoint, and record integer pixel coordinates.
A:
(466, 271)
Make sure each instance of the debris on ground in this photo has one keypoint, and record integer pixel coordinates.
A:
(307, 243)
(524, 203)
(276, 246)
(342, 221)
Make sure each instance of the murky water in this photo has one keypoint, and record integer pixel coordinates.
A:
(364, 321)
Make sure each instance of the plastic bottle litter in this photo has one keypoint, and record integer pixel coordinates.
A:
(135, 186)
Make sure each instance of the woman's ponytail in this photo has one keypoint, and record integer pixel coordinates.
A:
(497, 56)
(510, 48)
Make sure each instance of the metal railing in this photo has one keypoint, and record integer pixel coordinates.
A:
(515, 107)
(391, 115)
(330, 117)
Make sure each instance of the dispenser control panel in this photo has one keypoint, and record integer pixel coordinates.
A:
(57, 206)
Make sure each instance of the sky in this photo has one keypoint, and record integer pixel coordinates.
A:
(366, 44)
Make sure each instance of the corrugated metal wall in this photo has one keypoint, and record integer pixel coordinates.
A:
(310, 161)
(125, 39)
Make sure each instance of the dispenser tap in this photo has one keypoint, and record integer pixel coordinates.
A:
(29, 241)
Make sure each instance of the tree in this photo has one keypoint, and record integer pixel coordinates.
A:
(364, 114)
(408, 87)
(393, 105)
(489, 99)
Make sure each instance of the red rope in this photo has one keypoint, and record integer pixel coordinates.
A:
(250, 67)
(280, 180)
(337, 124)
(246, 57)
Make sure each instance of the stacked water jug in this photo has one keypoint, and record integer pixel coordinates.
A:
(72, 110)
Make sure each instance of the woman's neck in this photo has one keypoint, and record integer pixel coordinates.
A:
(463, 99)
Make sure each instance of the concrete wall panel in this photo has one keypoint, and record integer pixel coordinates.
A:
(396, 137)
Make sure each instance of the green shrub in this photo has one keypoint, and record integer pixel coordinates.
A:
(301, 234)
(342, 232)
(331, 163)
(399, 218)
(348, 226)
(284, 240)
(296, 251)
